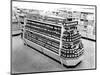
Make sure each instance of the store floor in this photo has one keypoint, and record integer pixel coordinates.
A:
(25, 59)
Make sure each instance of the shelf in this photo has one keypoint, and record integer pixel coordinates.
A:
(42, 34)
(49, 23)
(36, 39)
(49, 36)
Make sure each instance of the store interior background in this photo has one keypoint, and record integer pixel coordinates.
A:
(85, 15)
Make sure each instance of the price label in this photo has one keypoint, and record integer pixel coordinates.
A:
(71, 23)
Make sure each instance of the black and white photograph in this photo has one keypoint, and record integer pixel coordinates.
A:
(52, 37)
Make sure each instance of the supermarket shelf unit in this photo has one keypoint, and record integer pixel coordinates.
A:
(59, 41)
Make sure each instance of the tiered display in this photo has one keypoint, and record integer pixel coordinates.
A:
(72, 46)
(59, 40)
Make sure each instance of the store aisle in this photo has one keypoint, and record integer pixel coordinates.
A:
(25, 59)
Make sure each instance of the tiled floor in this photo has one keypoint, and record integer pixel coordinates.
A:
(25, 59)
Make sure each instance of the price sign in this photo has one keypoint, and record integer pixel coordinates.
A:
(71, 23)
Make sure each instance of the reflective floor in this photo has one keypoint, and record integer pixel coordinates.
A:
(25, 59)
